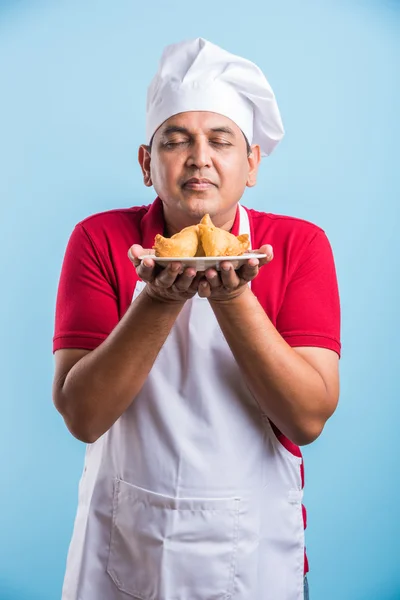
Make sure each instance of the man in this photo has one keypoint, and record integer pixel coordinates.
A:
(194, 390)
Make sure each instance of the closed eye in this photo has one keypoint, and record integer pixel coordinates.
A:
(220, 143)
(175, 144)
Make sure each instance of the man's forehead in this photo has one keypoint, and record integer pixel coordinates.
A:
(199, 122)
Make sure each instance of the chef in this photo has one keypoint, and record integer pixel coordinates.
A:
(194, 390)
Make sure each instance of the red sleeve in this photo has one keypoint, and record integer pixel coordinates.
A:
(310, 312)
(86, 308)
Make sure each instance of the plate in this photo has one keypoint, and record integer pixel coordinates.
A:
(201, 263)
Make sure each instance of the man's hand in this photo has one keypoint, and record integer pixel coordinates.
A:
(172, 284)
(228, 284)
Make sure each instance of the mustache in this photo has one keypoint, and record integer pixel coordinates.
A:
(199, 180)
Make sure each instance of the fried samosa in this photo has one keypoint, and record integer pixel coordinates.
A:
(201, 240)
(182, 244)
(218, 242)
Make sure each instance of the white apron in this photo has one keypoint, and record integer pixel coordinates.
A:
(189, 495)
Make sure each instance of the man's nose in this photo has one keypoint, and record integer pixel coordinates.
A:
(199, 154)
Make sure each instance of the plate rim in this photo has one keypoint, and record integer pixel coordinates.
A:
(245, 256)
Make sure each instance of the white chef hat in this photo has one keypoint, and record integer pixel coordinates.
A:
(197, 75)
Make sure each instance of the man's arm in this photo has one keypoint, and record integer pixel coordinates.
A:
(297, 389)
(92, 389)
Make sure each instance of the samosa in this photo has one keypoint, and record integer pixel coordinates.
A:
(182, 244)
(218, 242)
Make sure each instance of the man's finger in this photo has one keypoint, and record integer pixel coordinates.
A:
(168, 275)
(213, 278)
(184, 281)
(269, 251)
(195, 283)
(135, 252)
(146, 270)
(248, 272)
(229, 278)
(204, 290)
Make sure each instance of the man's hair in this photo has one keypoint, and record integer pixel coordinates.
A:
(249, 150)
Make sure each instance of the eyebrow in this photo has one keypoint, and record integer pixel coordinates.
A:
(227, 130)
(175, 129)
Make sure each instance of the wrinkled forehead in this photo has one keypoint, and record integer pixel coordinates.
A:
(197, 123)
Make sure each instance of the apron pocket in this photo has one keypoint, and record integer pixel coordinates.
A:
(165, 548)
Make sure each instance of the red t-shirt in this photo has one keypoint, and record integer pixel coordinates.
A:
(298, 289)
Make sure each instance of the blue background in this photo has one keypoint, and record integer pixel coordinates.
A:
(73, 78)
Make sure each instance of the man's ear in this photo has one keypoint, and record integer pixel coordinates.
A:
(144, 158)
(254, 160)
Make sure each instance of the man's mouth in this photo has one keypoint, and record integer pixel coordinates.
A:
(196, 183)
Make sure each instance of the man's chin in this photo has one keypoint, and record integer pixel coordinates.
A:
(197, 206)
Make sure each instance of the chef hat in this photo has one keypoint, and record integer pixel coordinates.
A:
(197, 75)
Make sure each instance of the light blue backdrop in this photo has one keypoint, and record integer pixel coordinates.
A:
(73, 78)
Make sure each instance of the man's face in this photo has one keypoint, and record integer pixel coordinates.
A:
(199, 164)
